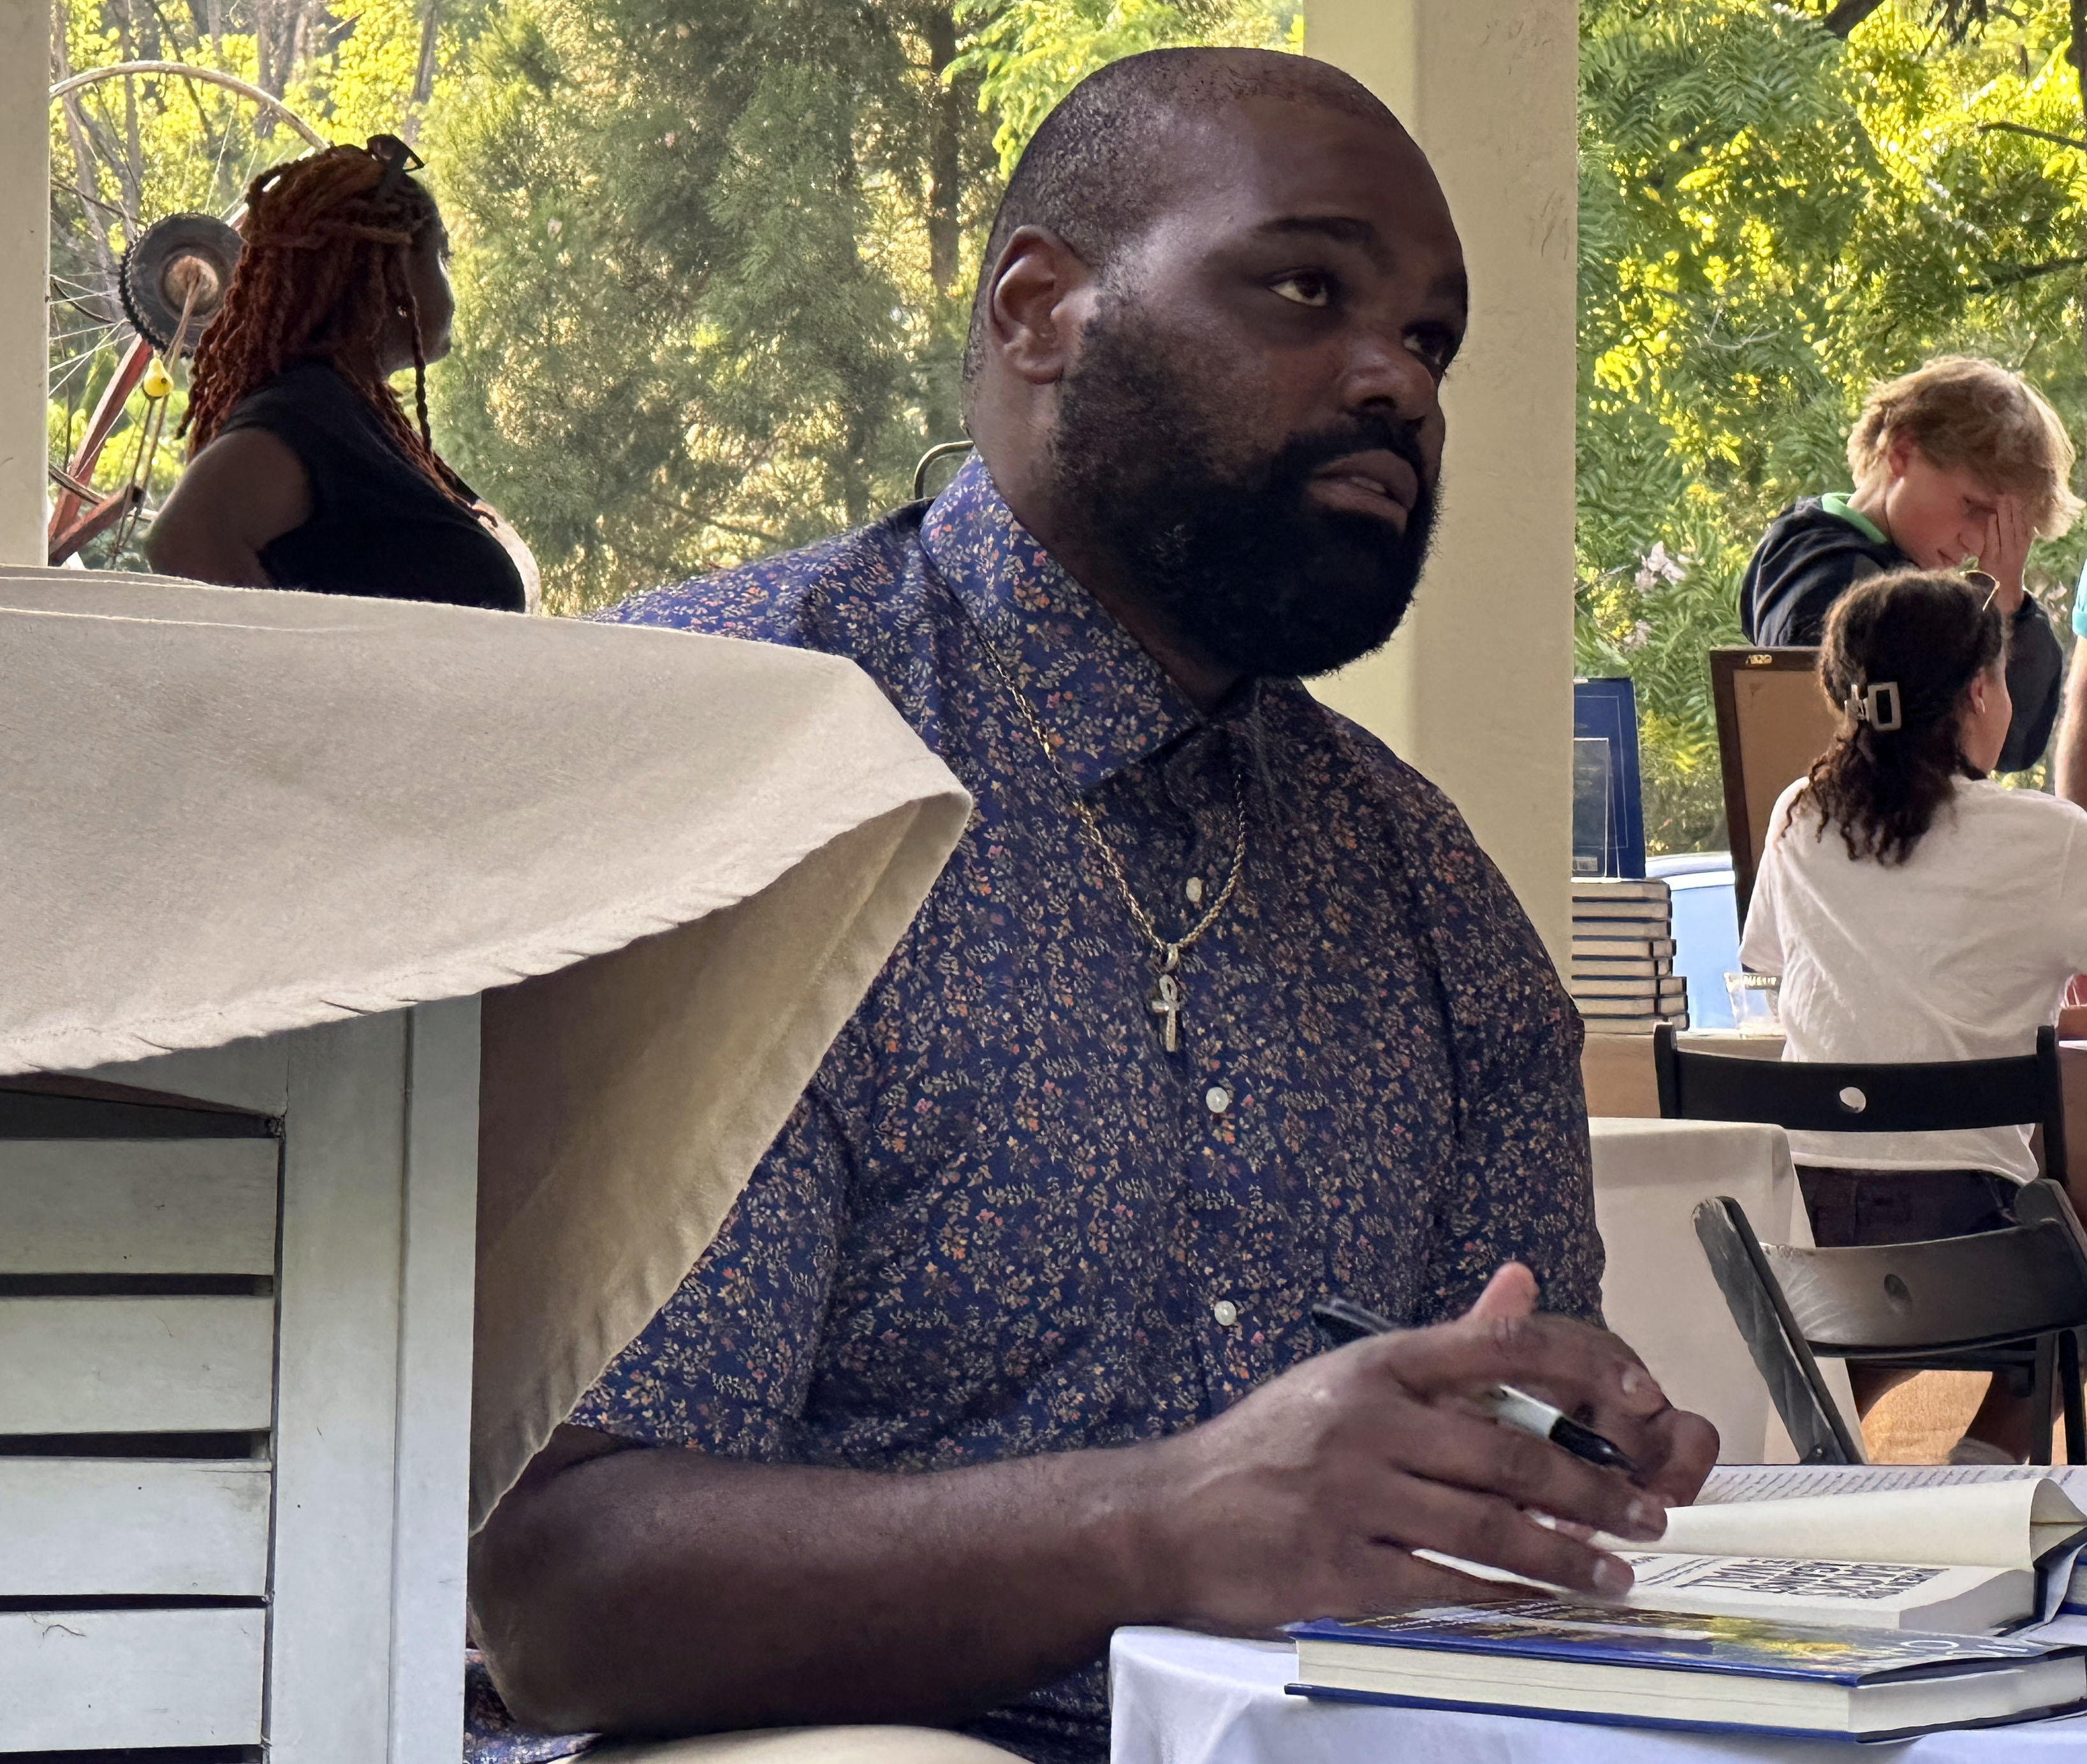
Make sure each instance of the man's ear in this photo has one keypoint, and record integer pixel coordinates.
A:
(1042, 292)
(1898, 453)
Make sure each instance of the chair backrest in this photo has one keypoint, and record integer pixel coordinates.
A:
(1836, 1096)
(1773, 719)
(1817, 1428)
(1945, 1293)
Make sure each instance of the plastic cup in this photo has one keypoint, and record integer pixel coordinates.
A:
(1756, 1009)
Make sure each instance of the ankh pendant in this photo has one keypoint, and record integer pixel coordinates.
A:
(1166, 1000)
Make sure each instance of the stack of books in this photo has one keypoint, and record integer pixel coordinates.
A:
(1789, 1599)
(1622, 976)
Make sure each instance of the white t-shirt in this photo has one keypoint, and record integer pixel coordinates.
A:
(1960, 953)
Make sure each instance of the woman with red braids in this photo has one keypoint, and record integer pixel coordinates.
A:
(305, 471)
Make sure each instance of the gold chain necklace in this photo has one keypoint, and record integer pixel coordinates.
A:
(1166, 1000)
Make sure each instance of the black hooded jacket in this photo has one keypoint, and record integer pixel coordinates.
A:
(1809, 557)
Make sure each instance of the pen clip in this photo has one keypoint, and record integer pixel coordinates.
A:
(1340, 1321)
(1589, 1447)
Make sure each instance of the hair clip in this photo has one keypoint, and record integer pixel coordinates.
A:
(397, 159)
(1868, 705)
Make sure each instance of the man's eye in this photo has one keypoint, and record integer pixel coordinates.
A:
(1435, 345)
(1307, 288)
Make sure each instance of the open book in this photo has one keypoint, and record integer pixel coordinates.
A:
(1954, 1553)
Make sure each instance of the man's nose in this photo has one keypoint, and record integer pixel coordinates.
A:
(1384, 371)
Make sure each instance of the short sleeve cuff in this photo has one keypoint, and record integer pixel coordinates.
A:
(635, 1410)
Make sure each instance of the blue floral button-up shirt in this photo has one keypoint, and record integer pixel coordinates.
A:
(1004, 1219)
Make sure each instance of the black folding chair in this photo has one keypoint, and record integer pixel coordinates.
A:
(2012, 1301)
(1834, 1096)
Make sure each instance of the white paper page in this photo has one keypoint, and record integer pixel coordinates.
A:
(1785, 1482)
(2007, 1522)
(1954, 1601)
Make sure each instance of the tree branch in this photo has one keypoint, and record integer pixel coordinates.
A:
(2041, 134)
(2013, 274)
(1847, 15)
(2077, 13)
(424, 71)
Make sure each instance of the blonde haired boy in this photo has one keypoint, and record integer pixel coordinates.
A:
(1959, 460)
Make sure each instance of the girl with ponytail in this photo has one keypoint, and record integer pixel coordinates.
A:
(1917, 910)
(306, 471)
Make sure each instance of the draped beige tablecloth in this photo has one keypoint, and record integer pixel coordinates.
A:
(673, 864)
(1658, 1292)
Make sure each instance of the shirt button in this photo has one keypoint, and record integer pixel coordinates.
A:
(1217, 1098)
(1226, 1312)
(1193, 888)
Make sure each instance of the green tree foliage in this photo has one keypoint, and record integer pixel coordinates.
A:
(1772, 219)
(709, 269)
(1032, 53)
(714, 261)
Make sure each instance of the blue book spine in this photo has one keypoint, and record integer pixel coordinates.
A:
(1661, 1724)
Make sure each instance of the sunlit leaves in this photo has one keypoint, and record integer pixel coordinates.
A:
(1029, 53)
(1771, 220)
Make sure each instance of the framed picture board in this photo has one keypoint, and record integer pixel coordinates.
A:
(1608, 814)
(1773, 719)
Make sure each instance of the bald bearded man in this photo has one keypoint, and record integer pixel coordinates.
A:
(1217, 1011)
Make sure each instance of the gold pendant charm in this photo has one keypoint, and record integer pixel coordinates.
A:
(1166, 1002)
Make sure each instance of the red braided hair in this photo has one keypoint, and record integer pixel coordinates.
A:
(322, 269)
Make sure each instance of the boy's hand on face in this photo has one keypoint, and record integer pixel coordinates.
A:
(2005, 553)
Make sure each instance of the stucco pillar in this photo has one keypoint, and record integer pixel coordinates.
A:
(1476, 690)
(25, 63)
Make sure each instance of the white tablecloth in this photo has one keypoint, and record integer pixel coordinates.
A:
(1658, 1293)
(1193, 1699)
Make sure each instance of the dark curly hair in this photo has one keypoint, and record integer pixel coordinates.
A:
(322, 269)
(1930, 635)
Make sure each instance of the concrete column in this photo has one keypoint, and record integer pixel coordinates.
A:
(25, 73)
(1476, 690)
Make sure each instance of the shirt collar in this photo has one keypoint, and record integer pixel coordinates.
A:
(1104, 700)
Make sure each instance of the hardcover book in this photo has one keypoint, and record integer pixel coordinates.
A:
(1631, 1667)
(1627, 912)
(1670, 989)
(1610, 942)
(1621, 967)
(1962, 1559)
(1966, 1559)
(1773, 1485)
(1615, 1013)
(1612, 888)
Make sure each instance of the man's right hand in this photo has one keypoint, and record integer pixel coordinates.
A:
(1309, 1497)
(663, 1590)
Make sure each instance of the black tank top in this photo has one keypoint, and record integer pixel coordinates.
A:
(378, 526)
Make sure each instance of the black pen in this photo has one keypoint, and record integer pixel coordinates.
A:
(1339, 1321)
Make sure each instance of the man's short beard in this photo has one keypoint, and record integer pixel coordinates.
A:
(1237, 558)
